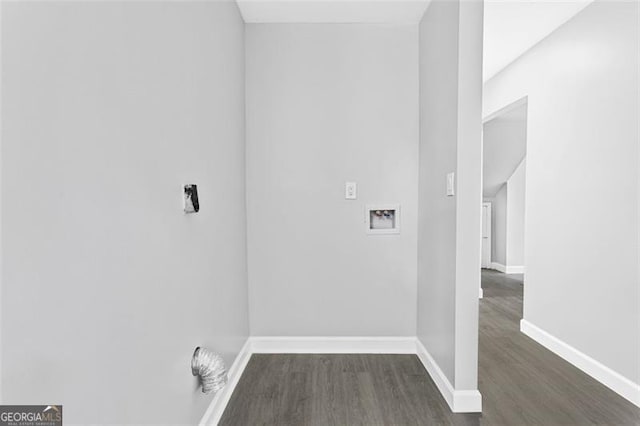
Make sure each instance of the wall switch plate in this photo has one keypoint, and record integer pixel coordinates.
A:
(350, 190)
(451, 183)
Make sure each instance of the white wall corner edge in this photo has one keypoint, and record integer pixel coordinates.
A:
(219, 402)
(611, 379)
(460, 401)
(507, 269)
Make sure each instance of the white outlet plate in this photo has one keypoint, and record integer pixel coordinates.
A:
(451, 184)
(350, 190)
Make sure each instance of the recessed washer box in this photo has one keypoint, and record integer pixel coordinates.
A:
(382, 218)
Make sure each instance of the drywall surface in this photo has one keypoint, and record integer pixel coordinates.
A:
(499, 230)
(437, 212)
(328, 104)
(449, 227)
(504, 147)
(508, 220)
(582, 175)
(515, 216)
(469, 198)
(108, 108)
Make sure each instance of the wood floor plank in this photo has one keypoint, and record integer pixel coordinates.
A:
(522, 383)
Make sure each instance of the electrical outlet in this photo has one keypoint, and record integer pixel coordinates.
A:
(350, 190)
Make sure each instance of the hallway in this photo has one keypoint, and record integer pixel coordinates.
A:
(521, 382)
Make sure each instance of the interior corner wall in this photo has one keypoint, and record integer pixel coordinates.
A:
(450, 128)
(499, 229)
(515, 217)
(329, 103)
(108, 108)
(582, 181)
(437, 157)
(492, 200)
(468, 187)
(507, 230)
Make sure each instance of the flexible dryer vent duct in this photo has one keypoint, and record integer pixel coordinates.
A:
(210, 367)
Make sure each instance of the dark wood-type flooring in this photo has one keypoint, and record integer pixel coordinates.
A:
(521, 382)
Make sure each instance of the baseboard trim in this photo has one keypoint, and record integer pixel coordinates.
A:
(481, 293)
(498, 267)
(214, 413)
(335, 345)
(515, 270)
(611, 379)
(460, 401)
(507, 269)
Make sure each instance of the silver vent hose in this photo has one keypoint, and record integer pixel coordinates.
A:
(209, 366)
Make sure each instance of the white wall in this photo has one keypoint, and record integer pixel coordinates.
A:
(107, 109)
(504, 147)
(437, 213)
(515, 216)
(449, 227)
(499, 230)
(326, 104)
(507, 232)
(582, 182)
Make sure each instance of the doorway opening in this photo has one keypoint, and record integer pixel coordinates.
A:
(504, 136)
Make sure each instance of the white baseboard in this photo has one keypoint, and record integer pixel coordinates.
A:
(507, 269)
(481, 293)
(460, 401)
(613, 380)
(333, 345)
(499, 267)
(214, 413)
(515, 270)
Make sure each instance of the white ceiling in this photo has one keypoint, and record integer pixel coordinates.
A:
(504, 147)
(332, 11)
(511, 27)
